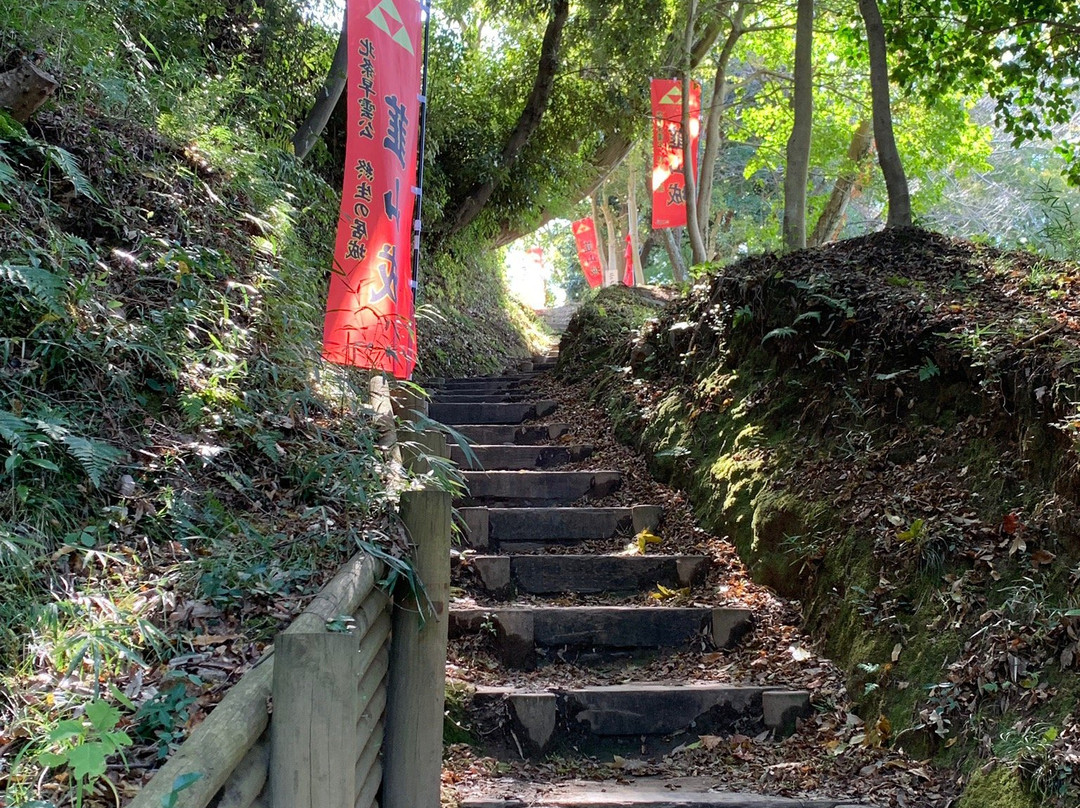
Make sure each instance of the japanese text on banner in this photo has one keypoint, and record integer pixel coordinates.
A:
(369, 311)
(588, 254)
(669, 150)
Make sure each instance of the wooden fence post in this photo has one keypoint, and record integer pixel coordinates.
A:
(314, 742)
(416, 684)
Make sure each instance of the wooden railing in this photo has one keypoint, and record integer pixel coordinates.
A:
(334, 719)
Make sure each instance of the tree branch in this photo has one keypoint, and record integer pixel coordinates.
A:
(527, 122)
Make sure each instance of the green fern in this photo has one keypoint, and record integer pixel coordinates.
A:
(96, 457)
(13, 429)
(69, 167)
(268, 444)
(47, 287)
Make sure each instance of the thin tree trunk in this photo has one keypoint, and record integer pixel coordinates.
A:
(712, 133)
(678, 264)
(693, 229)
(632, 222)
(307, 134)
(647, 246)
(888, 155)
(797, 169)
(617, 144)
(527, 123)
(832, 217)
(614, 262)
(601, 247)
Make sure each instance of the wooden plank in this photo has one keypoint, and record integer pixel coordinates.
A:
(248, 778)
(369, 765)
(373, 643)
(376, 603)
(412, 748)
(313, 736)
(369, 789)
(345, 592)
(220, 742)
(216, 746)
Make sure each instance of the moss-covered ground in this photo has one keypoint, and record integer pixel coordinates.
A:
(901, 457)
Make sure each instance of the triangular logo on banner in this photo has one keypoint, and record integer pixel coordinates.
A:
(673, 96)
(378, 16)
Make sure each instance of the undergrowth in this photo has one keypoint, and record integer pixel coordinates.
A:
(883, 428)
(179, 463)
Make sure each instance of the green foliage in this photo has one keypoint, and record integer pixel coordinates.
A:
(1025, 55)
(84, 746)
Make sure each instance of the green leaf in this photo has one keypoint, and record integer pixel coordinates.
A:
(783, 331)
(181, 782)
(121, 696)
(116, 740)
(102, 715)
(913, 532)
(87, 760)
(67, 729)
(69, 166)
(51, 759)
(47, 287)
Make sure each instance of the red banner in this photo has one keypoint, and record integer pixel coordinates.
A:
(588, 255)
(628, 273)
(668, 174)
(369, 310)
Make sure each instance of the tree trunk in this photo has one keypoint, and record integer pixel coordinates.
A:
(632, 223)
(527, 122)
(617, 144)
(647, 246)
(601, 248)
(307, 134)
(693, 229)
(797, 171)
(614, 258)
(712, 133)
(671, 243)
(832, 217)
(888, 156)
(24, 89)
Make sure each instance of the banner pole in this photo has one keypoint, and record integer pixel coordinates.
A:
(419, 189)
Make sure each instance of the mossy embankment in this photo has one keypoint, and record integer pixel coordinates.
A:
(887, 429)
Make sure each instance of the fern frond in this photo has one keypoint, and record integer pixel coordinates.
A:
(47, 287)
(13, 429)
(96, 457)
(69, 166)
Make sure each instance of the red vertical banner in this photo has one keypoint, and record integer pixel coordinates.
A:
(370, 321)
(628, 273)
(669, 152)
(585, 236)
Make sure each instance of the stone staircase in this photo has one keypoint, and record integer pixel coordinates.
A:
(527, 527)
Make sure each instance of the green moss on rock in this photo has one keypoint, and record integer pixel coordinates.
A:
(999, 788)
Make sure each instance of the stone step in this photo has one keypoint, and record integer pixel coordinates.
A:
(527, 435)
(455, 414)
(503, 576)
(481, 397)
(517, 529)
(508, 457)
(641, 792)
(521, 632)
(643, 715)
(537, 488)
(489, 382)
